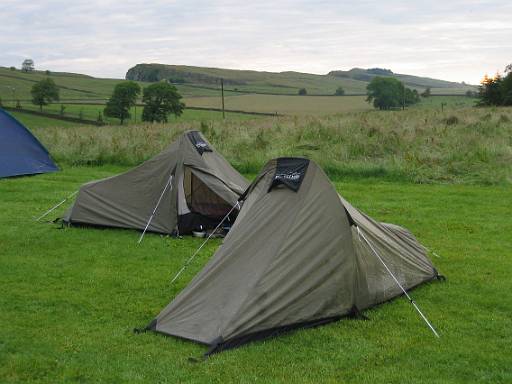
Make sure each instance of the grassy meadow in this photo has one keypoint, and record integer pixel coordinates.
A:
(72, 296)
(91, 112)
(285, 104)
(465, 145)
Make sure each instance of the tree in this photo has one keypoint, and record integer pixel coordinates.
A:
(426, 93)
(12, 68)
(44, 92)
(506, 87)
(303, 91)
(161, 99)
(389, 93)
(384, 92)
(339, 91)
(411, 96)
(27, 65)
(490, 92)
(123, 98)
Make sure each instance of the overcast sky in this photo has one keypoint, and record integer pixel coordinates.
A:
(457, 40)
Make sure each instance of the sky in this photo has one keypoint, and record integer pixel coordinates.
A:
(457, 40)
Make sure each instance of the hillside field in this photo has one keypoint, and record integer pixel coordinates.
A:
(71, 297)
(353, 81)
(77, 87)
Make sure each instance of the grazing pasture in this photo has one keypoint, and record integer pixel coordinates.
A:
(71, 297)
(285, 104)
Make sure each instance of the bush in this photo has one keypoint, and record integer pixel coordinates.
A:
(452, 120)
(339, 91)
(303, 91)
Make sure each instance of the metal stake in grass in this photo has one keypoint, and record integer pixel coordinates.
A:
(57, 206)
(204, 242)
(169, 183)
(397, 282)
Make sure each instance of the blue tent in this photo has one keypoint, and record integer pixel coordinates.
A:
(20, 152)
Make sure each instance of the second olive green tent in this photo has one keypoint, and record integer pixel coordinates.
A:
(187, 186)
(298, 255)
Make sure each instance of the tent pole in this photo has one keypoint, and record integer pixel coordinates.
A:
(397, 282)
(154, 210)
(204, 242)
(57, 206)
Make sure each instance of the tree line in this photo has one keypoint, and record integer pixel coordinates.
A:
(497, 90)
(160, 100)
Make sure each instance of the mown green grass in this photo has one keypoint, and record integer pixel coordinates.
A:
(71, 297)
(470, 145)
(90, 112)
(34, 121)
(285, 104)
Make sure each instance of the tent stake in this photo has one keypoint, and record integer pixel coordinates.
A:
(57, 206)
(204, 242)
(154, 210)
(398, 283)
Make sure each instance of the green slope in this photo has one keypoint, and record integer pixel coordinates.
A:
(353, 81)
(74, 87)
(203, 82)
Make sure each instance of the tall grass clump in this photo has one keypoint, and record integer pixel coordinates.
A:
(472, 145)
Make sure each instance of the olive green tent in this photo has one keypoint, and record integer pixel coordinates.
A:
(188, 185)
(298, 255)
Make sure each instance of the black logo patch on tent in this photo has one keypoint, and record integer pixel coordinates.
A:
(290, 172)
(198, 142)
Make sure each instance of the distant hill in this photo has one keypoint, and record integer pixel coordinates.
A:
(73, 86)
(411, 81)
(353, 81)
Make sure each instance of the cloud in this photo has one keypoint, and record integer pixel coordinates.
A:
(456, 40)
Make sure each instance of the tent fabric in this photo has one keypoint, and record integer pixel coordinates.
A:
(127, 200)
(20, 152)
(292, 259)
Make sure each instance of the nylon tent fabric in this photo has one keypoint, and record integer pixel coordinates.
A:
(20, 152)
(127, 200)
(292, 259)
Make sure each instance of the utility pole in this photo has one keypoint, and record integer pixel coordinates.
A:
(403, 98)
(222, 93)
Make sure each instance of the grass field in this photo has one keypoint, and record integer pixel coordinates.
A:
(90, 112)
(468, 145)
(71, 297)
(287, 105)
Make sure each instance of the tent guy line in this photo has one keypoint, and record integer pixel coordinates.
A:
(361, 235)
(57, 206)
(237, 205)
(169, 183)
